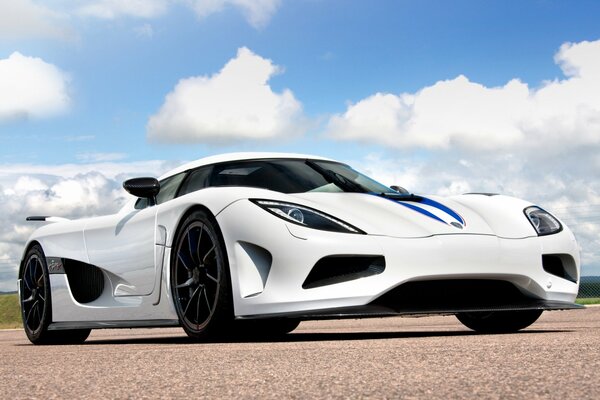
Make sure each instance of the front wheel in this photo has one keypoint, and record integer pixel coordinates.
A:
(200, 278)
(36, 304)
(499, 321)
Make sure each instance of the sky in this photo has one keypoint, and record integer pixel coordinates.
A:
(439, 97)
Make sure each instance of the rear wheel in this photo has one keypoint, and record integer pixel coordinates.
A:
(36, 304)
(499, 321)
(200, 278)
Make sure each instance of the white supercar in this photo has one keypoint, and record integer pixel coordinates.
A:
(257, 242)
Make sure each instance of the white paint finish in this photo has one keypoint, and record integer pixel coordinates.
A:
(380, 216)
(107, 307)
(124, 245)
(503, 214)
(133, 248)
(253, 266)
(62, 239)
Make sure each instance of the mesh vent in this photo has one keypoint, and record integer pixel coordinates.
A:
(85, 281)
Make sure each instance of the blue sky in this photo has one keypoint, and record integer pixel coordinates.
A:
(337, 62)
(332, 52)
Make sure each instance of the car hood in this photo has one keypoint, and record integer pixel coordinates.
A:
(468, 214)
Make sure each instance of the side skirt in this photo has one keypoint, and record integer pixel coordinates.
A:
(152, 323)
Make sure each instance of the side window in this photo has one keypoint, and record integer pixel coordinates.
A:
(196, 180)
(168, 188)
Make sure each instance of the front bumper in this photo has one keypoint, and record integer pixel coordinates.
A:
(270, 260)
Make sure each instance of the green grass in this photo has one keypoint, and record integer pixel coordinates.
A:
(588, 300)
(10, 315)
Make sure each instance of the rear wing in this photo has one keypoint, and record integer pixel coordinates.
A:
(43, 218)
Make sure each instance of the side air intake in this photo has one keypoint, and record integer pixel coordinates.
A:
(561, 265)
(85, 280)
(343, 268)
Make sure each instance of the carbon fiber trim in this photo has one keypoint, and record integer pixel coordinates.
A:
(152, 323)
(377, 311)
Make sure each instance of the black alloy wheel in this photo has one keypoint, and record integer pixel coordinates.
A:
(36, 304)
(200, 281)
(35, 298)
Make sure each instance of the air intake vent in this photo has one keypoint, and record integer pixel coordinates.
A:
(85, 281)
(561, 265)
(343, 268)
(459, 294)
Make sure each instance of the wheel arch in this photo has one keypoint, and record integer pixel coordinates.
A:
(190, 210)
(179, 226)
(28, 247)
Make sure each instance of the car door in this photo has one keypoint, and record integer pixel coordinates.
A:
(124, 244)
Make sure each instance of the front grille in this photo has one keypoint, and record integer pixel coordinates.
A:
(456, 294)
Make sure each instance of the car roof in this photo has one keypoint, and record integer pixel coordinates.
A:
(239, 157)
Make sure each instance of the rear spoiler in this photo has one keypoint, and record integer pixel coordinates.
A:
(40, 218)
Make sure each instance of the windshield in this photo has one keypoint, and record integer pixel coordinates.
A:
(294, 176)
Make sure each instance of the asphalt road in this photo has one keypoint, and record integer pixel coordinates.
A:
(424, 358)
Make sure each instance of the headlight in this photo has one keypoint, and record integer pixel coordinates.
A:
(305, 216)
(543, 222)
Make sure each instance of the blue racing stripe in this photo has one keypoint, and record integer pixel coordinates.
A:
(443, 208)
(421, 210)
(431, 203)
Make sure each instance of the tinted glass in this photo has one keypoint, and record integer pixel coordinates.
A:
(168, 188)
(196, 180)
(141, 203)
(286, 176)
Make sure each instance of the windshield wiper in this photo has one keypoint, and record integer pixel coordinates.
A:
(401, 196)
(337, 179)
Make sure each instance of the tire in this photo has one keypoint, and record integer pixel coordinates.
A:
(499, 321)
(36, 303)
(200, 282)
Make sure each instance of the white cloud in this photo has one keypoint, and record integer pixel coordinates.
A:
(79, 138)
(29, 19)
(31, 88)
(71, 191)
(257, 12)
(100, 157)
(111, 9)
(235, 103)
(144, 30)
(53, 19)
(459, 113)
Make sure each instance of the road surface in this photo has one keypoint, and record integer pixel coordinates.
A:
(424, 358)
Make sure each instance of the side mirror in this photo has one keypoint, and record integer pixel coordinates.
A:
(399, 189)
(146, 188)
